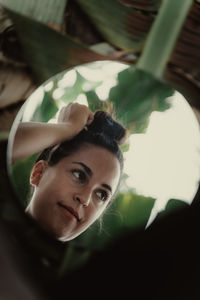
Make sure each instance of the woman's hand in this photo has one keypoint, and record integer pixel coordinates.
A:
(76, 115)
(33, 137)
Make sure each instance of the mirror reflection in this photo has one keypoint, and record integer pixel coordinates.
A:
(78, 171)
(70, 157)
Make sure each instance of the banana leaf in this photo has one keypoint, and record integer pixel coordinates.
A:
(46, 110)
(129, 212)
(47, 11)
(141, 90)
(48, 52)
(147, 5)
(124, 27)
(136, 95)
(72, 93)
(95, 103)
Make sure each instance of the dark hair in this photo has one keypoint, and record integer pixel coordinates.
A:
(103, 131)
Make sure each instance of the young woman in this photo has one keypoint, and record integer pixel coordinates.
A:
(78, 175)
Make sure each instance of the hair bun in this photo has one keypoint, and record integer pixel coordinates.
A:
(104, 124)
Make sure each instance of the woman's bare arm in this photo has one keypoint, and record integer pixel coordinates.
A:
(32, 137)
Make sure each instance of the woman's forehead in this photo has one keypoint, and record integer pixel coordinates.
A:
(98, 159)
(95, 154)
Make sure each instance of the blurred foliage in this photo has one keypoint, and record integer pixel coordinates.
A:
(136, 96)
(128, 211)
(146, 5)
(46, 11)
(94, 102)
(45, 60)
(72, 93)
(46, 110)
(126, 29)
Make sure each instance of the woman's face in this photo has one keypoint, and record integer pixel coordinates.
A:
(72, 194)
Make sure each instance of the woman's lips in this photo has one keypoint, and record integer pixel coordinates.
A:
(70, 210)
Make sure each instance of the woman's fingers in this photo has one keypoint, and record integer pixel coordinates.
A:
(64, 113)
(89, 115)
(77, 114)
(90, 118)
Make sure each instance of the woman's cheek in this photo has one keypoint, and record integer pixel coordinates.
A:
(95, 211)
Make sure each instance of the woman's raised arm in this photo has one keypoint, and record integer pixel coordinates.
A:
(32, 137)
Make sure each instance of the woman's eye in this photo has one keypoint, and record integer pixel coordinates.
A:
(102, 195)
(80, 175)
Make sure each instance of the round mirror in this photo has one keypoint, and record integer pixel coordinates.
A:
(161, 154)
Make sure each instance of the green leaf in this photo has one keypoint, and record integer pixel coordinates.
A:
(45, 11)
(71, 93)
(48, 52)
(125, 147)
(122, 26)
(148, 5)
(136, 95)
(128, 212)
(135, 209)
(46, 110)
(94, 102)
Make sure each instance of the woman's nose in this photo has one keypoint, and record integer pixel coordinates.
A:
(83, 197)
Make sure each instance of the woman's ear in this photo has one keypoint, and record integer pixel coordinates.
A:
(37, 172)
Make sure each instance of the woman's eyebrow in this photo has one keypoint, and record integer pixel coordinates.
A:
(107, 187)
(86, 168)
